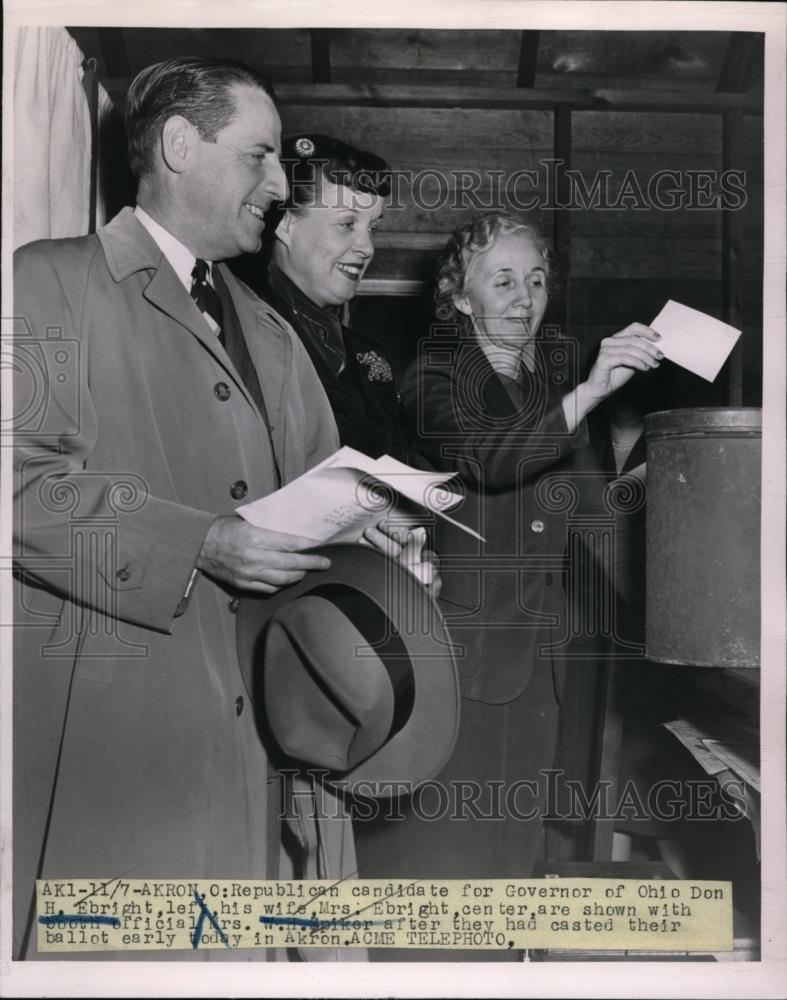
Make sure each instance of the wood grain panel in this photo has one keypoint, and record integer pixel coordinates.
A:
(643, 187)
(460, 96)
(622, 131)
(617, 302)
(703, 87)
(678, 55)
(397, 77)
(413, 48)
(651, 224)
(264, 48)
(412, 265)
(644, 257)
(419, 131)
(645, 163)
(410, 216)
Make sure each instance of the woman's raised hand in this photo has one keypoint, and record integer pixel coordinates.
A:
(619, 356)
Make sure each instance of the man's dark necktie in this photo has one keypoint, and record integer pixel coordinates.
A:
(204, 294)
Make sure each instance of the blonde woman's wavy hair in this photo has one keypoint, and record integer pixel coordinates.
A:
(475, 237)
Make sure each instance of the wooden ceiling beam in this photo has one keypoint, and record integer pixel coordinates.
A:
(370, 95)
(500, 98)
(528, 58)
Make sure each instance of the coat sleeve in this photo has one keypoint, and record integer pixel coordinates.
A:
(95, 537)
(454, 430)
(321, 437)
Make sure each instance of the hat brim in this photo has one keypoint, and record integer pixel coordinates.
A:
(421, 748)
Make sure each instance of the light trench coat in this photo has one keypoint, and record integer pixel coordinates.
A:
(136, 749)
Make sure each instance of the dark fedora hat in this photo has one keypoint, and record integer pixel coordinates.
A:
(352, 673)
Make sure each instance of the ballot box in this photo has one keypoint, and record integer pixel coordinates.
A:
(703, 536)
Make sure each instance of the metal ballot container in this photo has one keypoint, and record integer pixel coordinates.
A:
(703, 536)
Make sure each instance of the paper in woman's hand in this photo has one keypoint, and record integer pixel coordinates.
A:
(694, 340)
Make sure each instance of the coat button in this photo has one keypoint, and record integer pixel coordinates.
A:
(232, 604)
(123, 574)
(537, 526)
(238, 705)
(221, 391)
(238, 490)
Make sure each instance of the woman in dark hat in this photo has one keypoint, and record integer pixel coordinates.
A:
(318, 245)
(316, 248)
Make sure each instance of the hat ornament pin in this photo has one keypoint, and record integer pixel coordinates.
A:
(304, 147)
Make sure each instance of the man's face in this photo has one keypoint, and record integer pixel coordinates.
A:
(233, 180)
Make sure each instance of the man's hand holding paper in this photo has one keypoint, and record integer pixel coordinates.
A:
(255, 558)
(352, 498)
(340, 498)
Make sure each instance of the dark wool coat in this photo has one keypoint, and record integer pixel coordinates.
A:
(503, 598)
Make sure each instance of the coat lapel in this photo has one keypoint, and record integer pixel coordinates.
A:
(167, 293)
(478, 371)
(497, 399)
(128, 248)
(268, 340)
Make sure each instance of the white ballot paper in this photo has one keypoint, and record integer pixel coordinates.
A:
(694, 340)
(337, 499)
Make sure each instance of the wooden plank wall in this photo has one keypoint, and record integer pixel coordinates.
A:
(440, 105)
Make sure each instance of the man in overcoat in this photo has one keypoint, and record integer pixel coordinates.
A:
(154, 393)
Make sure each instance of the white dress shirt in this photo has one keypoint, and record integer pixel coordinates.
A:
(180, 258)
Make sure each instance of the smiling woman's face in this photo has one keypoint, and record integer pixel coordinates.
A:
(506, 291)
(327, 246)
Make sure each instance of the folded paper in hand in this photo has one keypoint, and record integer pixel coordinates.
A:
(337, 499)
(694, 340)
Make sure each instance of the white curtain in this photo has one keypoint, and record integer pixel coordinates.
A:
(51, 137)
(105, 108)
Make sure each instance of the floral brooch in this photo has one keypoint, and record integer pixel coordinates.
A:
(377, 368)
(304, 147)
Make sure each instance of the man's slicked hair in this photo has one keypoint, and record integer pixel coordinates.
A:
(198, 89)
